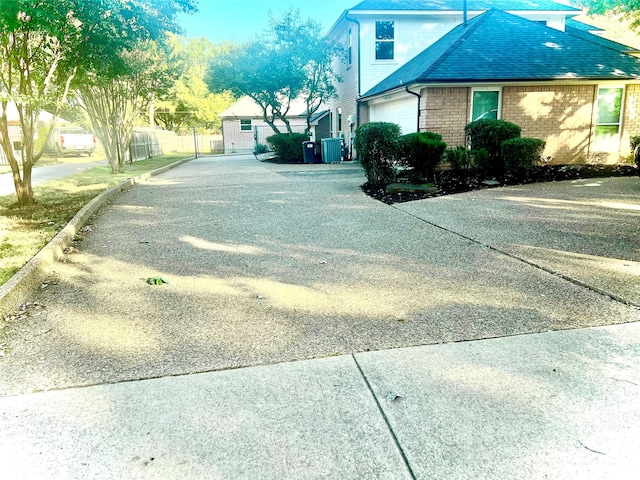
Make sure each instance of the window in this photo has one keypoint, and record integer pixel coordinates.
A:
(339, 116)
(384, 40)
(485, 104)
(349, 48)
(245, 125)
(608, 117)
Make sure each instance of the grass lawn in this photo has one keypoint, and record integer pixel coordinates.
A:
(25, 230)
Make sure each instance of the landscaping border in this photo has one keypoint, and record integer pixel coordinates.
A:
(18, 288)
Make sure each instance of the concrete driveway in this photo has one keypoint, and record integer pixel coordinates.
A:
(271, 263)
(275, 263)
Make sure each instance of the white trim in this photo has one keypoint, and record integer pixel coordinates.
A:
(620, 120)
(487, 89)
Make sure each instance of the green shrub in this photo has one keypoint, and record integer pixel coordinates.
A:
(489, 134)
(378, 147)
(634, 141)
(464, 162)
(521, 156)
(288, 146)
(261, 148)
(423, 152)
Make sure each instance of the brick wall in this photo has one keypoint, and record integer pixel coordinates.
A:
(631, 118)
(559, 114)
(445, 111)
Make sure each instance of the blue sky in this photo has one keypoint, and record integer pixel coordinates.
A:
(238, 20)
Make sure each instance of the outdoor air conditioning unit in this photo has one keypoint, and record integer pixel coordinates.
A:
(351, 119)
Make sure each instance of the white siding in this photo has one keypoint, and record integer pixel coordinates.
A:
(403, 111)
(412, 36)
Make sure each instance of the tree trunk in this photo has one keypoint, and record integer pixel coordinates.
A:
(24, 191)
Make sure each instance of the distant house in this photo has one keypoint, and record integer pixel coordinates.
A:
(429, 66)
(243, 126)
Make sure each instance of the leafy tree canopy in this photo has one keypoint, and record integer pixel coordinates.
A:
(290, 60)
(629, 8)
(47, 45)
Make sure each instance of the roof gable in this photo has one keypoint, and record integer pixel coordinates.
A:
(498, 46)
(456, 5)
(246, 107)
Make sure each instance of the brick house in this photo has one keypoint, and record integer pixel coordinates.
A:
(243, 126)
(421, 65)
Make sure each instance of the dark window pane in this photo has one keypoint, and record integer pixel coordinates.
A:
(384, 31)
(384, 50)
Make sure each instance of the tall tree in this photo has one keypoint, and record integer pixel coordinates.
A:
(189, 103)
(45, 44)
(116, 104)
(291, 60)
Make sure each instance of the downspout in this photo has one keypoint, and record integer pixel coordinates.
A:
(419, 100)
(357, 22)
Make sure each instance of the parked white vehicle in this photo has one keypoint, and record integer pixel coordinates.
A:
(72, 141)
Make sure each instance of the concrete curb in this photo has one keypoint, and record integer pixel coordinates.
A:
(17, 290)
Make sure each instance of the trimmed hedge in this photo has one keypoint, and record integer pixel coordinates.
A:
(423, 152)
(378, 149)
(464, 162)
(288, 146)
(488, 134)
(521, 156)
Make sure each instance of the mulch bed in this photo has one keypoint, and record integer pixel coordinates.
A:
(447, 184)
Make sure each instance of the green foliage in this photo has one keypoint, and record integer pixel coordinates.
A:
(291, 60)
(378, 147)
(521, 156)
(261, 148)
(48, 46)
(488, 134)
(464, 162)
(628, 8)
(288, 146)
(634, 141)
(423, 152)
(188, 102)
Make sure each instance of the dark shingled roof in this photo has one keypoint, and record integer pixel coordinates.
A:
(498, 46)
(456, 5)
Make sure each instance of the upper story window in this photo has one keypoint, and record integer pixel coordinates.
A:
(349, 47)
(245, 125)
(385, 36)
(608, 117)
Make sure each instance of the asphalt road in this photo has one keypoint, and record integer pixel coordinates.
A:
(47, 173)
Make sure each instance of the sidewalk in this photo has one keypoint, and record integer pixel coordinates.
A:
(331, 301)
(559, 405)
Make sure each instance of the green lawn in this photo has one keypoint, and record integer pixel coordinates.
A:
(25, 230)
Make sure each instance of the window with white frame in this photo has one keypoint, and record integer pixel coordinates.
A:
(245, 125)
(608, 118)
(485, 103)
(385, 39)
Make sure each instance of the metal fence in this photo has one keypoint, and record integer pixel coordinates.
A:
(15, 136)
(148, 142)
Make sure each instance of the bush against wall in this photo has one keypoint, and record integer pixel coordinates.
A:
(423, 152)
(378, 149)
(465, 163)
(488, 134)
(288, 146)
(521, 156)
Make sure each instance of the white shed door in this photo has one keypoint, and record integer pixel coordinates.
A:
(403, 111)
